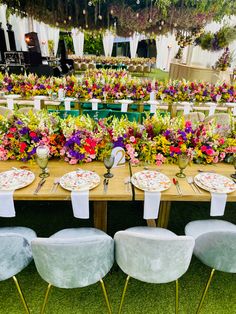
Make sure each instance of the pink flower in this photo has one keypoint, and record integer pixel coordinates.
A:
(73, 161)
(132, 139)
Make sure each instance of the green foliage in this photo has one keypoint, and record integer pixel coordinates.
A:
(68, 40)
(93, 44)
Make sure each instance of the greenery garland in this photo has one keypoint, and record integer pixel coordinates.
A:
(217, 41)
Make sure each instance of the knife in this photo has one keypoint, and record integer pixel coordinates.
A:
(40, 184)
(105, 185)
(132, 186)
(176, 183)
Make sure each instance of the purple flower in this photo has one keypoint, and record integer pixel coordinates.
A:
(24, 131)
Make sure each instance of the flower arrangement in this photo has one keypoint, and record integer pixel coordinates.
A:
(81, 139)
(224, 61)
(113, 85)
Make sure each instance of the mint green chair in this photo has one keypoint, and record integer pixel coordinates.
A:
(73, 258)
(153, 255)
(215, 246)
(15, 255)
(63, 114)
(97, 114)
(131, 116)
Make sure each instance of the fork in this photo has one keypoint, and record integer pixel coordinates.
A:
(193, 185)
(55, 185)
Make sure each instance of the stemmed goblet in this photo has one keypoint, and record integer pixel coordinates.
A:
(234, 164)
(183, 161)
(42, 153)
(108, 162)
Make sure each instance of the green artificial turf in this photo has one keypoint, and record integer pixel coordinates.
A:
(48, 217)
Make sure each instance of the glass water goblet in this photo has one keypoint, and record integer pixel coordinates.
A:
(42, 153)
(234, 164)
(183, 161)
(108, 162)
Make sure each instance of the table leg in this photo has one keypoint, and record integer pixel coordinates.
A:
(151, 223)
(164, 213)
(100, 215)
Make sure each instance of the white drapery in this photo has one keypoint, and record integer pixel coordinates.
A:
(3, 20)
(133, 41)
(78, 41)
(53, 34)
(20, 27)
(108, 40)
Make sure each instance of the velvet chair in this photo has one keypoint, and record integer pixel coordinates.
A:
(215, 246)
(15, 254)
(153, 255)
(73, 258)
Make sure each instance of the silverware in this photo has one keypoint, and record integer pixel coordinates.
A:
(127, 183)
(176, 183)
(191, 183)
(40, 184)
(200, 170)
(55, 185)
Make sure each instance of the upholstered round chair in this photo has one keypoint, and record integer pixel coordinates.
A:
(6, 112)
(215, 246)
(153, 255)
(15, 254)
(73, 258)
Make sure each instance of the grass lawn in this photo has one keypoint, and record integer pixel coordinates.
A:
(141, 298)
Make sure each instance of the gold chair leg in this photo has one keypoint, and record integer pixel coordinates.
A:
(45, 299)
(176, 296)
(21, 294)
(123, 294)
(106, 296)
(205, 291)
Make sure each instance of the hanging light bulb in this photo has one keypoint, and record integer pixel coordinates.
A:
(138, 1)
(111, 11)
(90, 3)
(162, 22)
(69, 17)
(150, 20)
(64, 21)
(86, 25)
(137, 14)
(84, 11)
(99, 17)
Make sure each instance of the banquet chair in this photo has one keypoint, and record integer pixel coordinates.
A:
(152, 255)
(73, 258)
(6, 112)
(97, 114)
(215, 246)
(15, 254)
(131, 116)
(63, 114)
(195, 117)
(26, 110)
(223, 120)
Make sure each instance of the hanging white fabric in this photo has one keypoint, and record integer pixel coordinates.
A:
(108, 40)
(134, 44)
(53, 34)
(78, 41)
(3, 20)
(20, 26)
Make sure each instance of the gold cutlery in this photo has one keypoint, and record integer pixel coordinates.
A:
(176, 183)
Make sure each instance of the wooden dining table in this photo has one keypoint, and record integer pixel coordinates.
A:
(119, 188)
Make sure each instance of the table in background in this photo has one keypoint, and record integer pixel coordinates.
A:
(180, 71)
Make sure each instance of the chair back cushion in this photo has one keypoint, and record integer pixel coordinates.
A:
(15, 254)
(217, 249)
(152, 258)
(74, 262)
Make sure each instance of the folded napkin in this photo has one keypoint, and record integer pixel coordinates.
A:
(7, 208)
(151, 204)
(218, 202)
(80, 204)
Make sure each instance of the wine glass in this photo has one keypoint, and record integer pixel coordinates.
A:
(42, 153)
(234, 164)
(108, 162)
(183, 161)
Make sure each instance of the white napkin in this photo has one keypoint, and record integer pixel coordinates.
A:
(37, 104)
(10, 103)
(218, 202)
(67, 104)
(151, 204)
(94, 106)
(80, 204)
(187, 108)
(124, 107)
(7, 208)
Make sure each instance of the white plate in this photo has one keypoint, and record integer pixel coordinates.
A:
(152, 181)
(80, 180)
(214, 182)
(15, 179)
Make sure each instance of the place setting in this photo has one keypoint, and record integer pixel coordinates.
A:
(152, 183)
